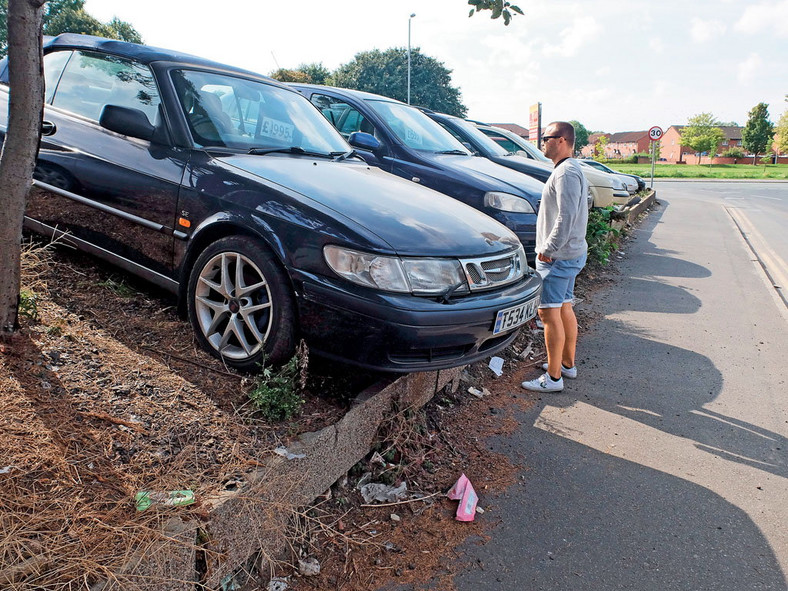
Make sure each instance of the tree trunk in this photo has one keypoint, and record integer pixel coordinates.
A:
(17, 160)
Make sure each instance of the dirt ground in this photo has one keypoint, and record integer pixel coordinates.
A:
(104, 393)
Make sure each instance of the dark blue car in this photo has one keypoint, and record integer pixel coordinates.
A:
(233, 192)
(402, 140)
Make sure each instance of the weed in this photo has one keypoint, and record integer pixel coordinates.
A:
(277, 392)
(119, 288)
(600, 235)
(28, 304)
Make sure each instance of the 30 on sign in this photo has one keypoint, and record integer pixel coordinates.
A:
(655, 133)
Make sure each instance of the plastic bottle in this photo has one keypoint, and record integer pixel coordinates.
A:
(173, 498)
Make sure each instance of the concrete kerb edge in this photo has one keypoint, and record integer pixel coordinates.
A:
(249, 524)
(627, 215)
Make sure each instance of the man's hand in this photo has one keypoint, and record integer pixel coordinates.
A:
(543, 258)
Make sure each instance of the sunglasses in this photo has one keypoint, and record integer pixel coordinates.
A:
(550, 137)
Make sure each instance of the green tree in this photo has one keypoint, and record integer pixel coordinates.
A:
(498, 8)
(781, 133)
(599, 148)
(317, 72)
(758, 133)
(285, 75)
(702, 134)
(386, 73)
(581, 135)
(69, 16)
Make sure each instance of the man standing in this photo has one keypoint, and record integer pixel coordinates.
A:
(561, 250)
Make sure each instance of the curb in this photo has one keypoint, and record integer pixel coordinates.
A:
(245, 529)
(625, 216)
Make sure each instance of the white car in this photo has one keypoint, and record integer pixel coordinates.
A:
(629, 182)
(607, 189)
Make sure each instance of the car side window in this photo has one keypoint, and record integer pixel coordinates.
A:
(91, 80)
(53, 68)
(341, 115)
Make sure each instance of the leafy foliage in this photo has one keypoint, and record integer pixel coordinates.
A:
(758, 131)
(386, 73)
(277, 392)
(498, 8)
(702, 134)
(600, 235)
(781, 135)
(581, 135)
(317, 73)
(285, 75)
(69, 16)
(599, 148)
(734, 153)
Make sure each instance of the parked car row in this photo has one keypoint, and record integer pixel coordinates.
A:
(606, 189)
(233, 192)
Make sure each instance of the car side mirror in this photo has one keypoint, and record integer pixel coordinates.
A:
(364, 141)
(127, 121)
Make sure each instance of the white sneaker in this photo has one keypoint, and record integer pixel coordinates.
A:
(544, 383)
(570, 373)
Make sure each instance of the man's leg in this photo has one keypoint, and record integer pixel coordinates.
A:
(569, 323)
(554, 338)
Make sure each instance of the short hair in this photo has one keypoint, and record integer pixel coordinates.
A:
(565, 130)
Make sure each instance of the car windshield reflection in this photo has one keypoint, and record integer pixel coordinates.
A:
(415, 129)
(237, 113)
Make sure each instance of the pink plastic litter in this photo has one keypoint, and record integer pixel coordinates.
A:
(463, 491)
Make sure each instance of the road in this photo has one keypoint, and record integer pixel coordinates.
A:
(664, 466)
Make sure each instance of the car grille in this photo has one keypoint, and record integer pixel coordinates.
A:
(491, 272)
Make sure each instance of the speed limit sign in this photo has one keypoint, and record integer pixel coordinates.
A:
(655, 133)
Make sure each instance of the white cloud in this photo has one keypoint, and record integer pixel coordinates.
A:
(765, 16)
(583, 30)
(749, 68)
(656, 45)
(704, 30)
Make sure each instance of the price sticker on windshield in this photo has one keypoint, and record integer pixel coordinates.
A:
(655, 133)
(277, 129)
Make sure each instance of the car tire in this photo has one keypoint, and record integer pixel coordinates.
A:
(240, 304)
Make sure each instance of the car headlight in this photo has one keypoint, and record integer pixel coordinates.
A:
(507, 202)
(420, 276)
(618, 183)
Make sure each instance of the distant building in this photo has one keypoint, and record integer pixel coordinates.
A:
(514, 128)
(587, 151)
(672, 152)
(627, 143)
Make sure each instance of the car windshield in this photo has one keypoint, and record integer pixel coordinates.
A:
(527, 147)
(239, 113)
(415, 129)
(471, 131)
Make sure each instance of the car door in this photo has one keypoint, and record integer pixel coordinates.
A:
(115, 193)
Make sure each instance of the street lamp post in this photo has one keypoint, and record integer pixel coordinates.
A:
(409, 19)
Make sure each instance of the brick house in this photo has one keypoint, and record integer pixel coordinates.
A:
(514, 128)
(627, 143)
(672, 152)
(587, 151)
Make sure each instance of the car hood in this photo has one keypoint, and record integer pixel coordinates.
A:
(389, 212)
(597, 178)
(493, 176)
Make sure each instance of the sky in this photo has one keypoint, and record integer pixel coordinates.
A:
(612, 65)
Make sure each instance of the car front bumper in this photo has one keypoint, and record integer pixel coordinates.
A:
(403, 333)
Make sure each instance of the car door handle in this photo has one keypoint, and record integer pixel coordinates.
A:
(48, 128)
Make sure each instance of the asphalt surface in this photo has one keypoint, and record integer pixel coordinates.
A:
(664, 466)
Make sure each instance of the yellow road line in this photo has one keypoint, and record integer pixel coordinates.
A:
(774, 266)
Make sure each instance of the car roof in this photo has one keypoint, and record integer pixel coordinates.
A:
(145, 54)
(347, 92)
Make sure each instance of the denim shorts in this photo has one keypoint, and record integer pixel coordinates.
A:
(558, 281)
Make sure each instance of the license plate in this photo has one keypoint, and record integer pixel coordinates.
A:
(510, 318)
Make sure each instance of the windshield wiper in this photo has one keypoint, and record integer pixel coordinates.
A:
(338, 156)
(457, 152)
(290, 150)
